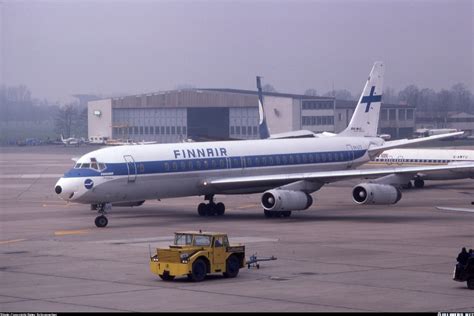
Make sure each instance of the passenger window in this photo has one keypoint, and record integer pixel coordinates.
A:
(222, 163)
(167, 166)
(175, 166)
(182, 165)
(213, 164)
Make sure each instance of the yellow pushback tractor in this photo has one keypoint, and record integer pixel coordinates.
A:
(195, 254)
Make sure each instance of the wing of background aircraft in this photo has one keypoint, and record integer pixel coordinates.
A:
(378, 149)
(323, 176)
(455, 209)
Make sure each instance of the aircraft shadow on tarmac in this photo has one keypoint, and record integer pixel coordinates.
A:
(163, 216)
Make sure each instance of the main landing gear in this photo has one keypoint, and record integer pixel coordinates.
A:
(101, 220)
(211, 208)
(269, 214)
(419, 183)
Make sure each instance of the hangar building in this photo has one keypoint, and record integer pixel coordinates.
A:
(200, 114)
(174, 116)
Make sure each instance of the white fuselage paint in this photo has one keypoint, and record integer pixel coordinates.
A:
(110, 186)
(423, 157)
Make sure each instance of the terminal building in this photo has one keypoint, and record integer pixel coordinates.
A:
(214, 114)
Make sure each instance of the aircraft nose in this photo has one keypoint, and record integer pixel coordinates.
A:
(65, 188)
(58, 189)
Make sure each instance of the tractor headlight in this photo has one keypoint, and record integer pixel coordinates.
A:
(184, 257)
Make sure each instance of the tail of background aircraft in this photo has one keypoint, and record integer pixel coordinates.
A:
(262, 123)
(365, 119)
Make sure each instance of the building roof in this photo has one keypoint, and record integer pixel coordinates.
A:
(347, 104)
(273, 94)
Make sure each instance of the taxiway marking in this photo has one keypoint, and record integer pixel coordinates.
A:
(4, 242)
(70, 232)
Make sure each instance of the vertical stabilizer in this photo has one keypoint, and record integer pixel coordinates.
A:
(365, 120)
(262, 121)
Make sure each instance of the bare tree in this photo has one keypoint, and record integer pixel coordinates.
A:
(268, 88)
(66, 120)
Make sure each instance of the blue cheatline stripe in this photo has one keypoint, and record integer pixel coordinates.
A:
(222, 163)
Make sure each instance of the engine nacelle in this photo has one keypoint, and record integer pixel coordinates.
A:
(286, 200)
(371, 193)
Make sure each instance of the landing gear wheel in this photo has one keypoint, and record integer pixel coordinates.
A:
(268, 214)
(220, 209)
(198, 272)
(232, 267)
(210, 209)
(202, 209)
(101, 221)
(286, 213)
(407, 186)
(470, 284)
(419, 183)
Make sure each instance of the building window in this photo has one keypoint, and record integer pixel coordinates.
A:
(157, 130)
(237, 130)
(146, 130)
(162, 130)
(178, 130)
(184, 130)
(339, 116)
(401, 114)
(255, 130)
(141, 130)
(167, 130)
(135, 130)
(232, 130)
(392, 114)
(409, 114)
(173, 130)
(383, 115)
(244, 130)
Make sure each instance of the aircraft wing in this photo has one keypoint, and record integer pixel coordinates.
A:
(376, 150)
(455, 209)
(276, 180)
(300, 134)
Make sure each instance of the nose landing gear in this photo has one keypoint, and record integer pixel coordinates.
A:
(211, 208)
(101, 220)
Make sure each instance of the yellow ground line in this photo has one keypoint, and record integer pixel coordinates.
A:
(3, 242)
(70, 232)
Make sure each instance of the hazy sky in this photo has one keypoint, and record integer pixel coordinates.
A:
(59, 48)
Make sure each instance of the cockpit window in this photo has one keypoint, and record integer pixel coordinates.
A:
(99, 166)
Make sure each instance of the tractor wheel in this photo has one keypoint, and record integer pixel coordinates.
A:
(232, 267)
(199, 270)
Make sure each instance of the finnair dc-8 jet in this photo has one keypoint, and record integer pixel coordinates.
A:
(285, 170)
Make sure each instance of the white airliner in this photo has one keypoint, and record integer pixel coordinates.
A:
(286, 170)
(423, 157)
(71, 141)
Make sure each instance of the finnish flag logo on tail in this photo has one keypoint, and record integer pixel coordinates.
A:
(365, 119)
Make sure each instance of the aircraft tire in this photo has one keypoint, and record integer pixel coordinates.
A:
(286, 213)
(220, 209)
(470, 284)
(419, 183)
(101, 221)
(202, 209)
(268, 214)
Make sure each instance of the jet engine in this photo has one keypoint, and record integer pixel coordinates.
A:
(285, 200)
(380, 194)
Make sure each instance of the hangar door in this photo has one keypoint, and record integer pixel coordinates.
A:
(208, 123)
